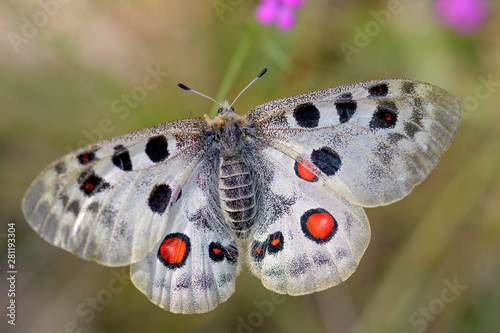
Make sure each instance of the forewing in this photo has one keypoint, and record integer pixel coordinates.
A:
(193, 267)
(307, 238)
(111, 201)
(371, 142)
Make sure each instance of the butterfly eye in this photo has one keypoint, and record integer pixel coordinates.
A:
(243, 135)
(217, 137)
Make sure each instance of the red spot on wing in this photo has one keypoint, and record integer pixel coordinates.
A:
(173, 250)
(85, 158)
(304, 173)
(216, 250)
(275, 241)
(303, 167)
(320, 225)
(388, 118)
(89, 185)
(258, 249)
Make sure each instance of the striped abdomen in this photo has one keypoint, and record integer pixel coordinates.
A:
(237, 194)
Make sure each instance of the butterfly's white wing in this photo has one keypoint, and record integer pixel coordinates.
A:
(110, 201)
(193, 267)
(371, 142)
(333, 151)
(152, 198)
(307, 237)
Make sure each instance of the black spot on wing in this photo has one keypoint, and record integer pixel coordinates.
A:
(231, 254)
(306, 115)
(91, 183)
(157, 149)
(345, 97)
(216, 251)
(121, 158)
(379, 90)
(86, 158)
(346, 107)
(385, 116)
(258, 250)
(275, 242)
(159, 198)
(327, 160)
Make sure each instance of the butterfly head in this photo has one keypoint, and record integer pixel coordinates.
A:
(225, 108)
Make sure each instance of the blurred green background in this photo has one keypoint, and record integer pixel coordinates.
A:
(433, 263)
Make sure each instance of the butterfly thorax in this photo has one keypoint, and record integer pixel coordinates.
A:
(236, 182)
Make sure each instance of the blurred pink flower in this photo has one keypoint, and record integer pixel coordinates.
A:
(281, 12)
(464, 16)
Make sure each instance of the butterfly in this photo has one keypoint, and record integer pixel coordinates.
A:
(280, 190)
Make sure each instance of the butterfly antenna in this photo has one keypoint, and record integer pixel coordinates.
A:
(262, 72)
(197, 92)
